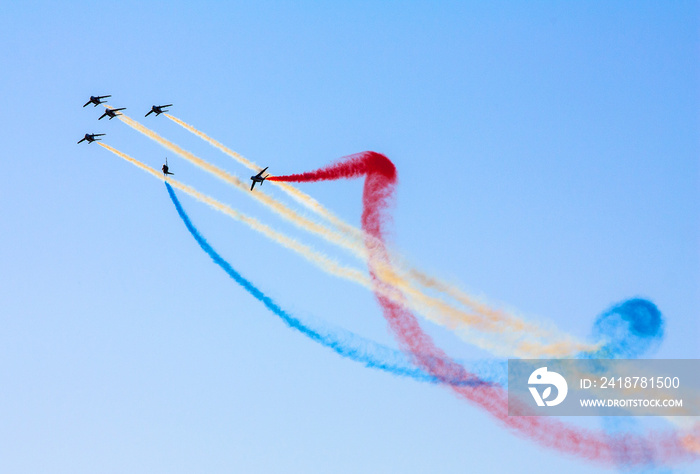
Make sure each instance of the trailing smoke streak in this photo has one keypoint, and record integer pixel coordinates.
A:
(322, 261)
(276, 206)
(359, 350)
(237, 156)
(344, 343)
(510, 330)
(349, 345)
(297, 195)
(351, 232)
(626, 449)
(357, 236)
(585, 445)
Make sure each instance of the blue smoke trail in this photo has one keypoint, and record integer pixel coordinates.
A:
(343, 342)
(630, 329)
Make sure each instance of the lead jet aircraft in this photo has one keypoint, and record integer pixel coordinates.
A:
(157, 109)
(96, 100)
(258, 178)
(90, 137)
(165, 168)
(111, 113)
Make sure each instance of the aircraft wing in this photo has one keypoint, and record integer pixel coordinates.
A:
(164, 106)
(87, 103)
(259, 175)
(103, 96)
(252, 185)
(102, 116)
(99, 135)
(81, 141)
(149, 113)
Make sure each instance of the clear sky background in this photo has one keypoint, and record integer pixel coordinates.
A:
(548, 161)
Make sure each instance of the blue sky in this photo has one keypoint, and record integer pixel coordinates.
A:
(548, 161)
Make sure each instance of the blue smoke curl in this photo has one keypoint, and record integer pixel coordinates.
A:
(629, 330)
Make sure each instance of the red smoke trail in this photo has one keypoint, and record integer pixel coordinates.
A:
(624, 449)
(380, 181)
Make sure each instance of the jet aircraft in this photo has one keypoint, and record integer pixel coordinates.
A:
(157, 109)
(96, 100)
(258, 178)
(111, 113)
(165, 168)
(90, 137)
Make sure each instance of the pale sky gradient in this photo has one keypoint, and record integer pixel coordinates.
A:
(548, 161)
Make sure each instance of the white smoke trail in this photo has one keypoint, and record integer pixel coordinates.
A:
(531, 339)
